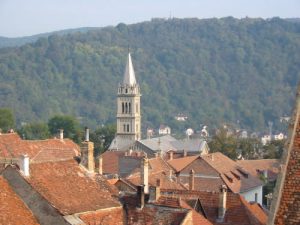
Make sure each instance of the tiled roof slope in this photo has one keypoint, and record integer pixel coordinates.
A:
(286, 203)
(110, 161)
(69, 188)
(151, 214)
(111, 216)
(165, 181)
(180, 163)
(12, 146)
(12, 210)
(237, 179)
(238, 211)
(254, 167)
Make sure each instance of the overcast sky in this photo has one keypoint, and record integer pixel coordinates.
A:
(28, 17)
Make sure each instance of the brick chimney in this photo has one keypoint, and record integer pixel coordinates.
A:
(24, 164)
(145, 174)
(100, 165)
(61, 134)
(87, 153)
(192, 180)
(222, 203)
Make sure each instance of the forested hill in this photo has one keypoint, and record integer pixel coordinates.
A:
(213, 70)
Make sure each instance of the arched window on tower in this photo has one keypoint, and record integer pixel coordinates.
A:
(129, 107)
(123, 107)
(127, 127)
(126, 107)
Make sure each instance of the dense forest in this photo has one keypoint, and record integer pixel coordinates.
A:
(239, 71)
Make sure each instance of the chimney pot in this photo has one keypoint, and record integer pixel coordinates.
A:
(222, 202)
(192, 180)
(171, 155)
(61, 134)
(184, 153)
(145, 174)
(100, 165)
(24, 164)
(87, 134)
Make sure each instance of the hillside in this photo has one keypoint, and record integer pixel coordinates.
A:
(213, 70)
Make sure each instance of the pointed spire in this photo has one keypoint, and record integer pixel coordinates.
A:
(129, 76)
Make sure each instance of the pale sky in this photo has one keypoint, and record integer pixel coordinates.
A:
(29, 17)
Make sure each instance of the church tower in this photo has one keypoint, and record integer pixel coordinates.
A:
(128, 109)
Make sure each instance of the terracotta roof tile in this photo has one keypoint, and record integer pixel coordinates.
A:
(12, 209)
(11, 145)
(165, 181)
(238, 211)
(104, 217)
(152, 214)
(287, 205)
(254, 167)
(110, 161)
(181, 163)
(235, 177)
(69, 188)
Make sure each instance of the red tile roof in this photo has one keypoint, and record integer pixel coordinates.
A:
(180, 163)
(165, 181)
(235, 177)
(152, 214)
(69, 188)
(111, 216)
(238, 211)
(12, 209)
(256, 167)
(286, 202)
(110, 161)
(12, 146)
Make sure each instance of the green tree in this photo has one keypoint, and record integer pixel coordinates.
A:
(103, 137)
(224, 143)
(7, 119)
(69, 124)
(35, 131)
(274, 149)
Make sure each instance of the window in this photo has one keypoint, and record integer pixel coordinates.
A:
(126, 107)
(127, 127)
(124, 127)
(256, 197)
(123, 108)
(129, 107)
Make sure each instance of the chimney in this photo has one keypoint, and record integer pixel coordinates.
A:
(87, 134)
(100, 165)
(171, 155)
(61, 134)
(145, 174)
(192, 180)
(154, 194)
(24, 164)
(87, 155)
(184, 153)
(140, 197)
(222, 203)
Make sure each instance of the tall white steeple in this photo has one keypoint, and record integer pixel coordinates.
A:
(129, 75)
(128, 110)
